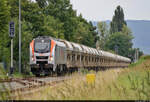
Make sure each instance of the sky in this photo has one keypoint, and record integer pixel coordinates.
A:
(100, 10)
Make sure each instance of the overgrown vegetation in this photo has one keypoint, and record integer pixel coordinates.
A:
(3, 95)
(131, 83)
(140, 61)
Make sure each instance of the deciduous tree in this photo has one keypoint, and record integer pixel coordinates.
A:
(118, 21)
(103, 35)
(122, 41)
(4, 38)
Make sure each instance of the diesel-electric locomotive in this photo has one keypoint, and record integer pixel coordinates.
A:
(49, 55)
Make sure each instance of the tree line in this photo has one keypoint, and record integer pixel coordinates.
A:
(117, 38)
(56, 18)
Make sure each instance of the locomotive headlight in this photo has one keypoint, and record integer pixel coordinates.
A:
(51, 58)
(33, 59)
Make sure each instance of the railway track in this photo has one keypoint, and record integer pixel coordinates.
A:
(24, 86)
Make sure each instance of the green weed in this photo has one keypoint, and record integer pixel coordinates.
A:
(132, 83)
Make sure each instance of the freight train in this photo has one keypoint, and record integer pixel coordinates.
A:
(50, 55)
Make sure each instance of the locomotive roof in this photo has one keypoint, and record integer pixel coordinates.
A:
(77, 47)
(69, 46)
(82, 48)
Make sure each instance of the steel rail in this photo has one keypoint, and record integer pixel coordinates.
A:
(30, 85)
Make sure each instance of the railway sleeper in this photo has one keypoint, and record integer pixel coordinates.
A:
(21, 82)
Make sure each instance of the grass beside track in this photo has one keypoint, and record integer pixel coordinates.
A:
(3, 96)
(131, 83)
(5, 75)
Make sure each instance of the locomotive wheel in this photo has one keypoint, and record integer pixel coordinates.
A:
(58, 73)
(60, 70)
(37, 75)
(46, 74)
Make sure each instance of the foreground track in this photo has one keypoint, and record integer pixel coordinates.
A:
(24, 86)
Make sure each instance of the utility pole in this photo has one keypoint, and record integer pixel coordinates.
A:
(11, 54)
(19, 36)
(136, 55)
(11, 34)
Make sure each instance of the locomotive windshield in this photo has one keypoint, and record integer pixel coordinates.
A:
(42, 46)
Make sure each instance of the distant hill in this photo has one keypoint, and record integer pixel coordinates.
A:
(141, 33)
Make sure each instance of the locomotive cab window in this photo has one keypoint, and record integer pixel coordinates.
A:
(42, 46)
